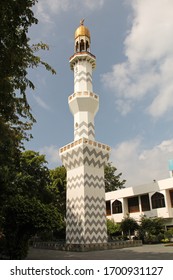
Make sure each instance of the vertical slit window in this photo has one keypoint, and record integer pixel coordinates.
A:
(145, 203)
(171, 197)
(82, 45)
(108, 208)
(77, 47)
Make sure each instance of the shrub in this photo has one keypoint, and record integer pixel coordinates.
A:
(113, 229)
(168, 234)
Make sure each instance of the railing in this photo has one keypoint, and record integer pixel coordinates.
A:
(85, 141)
(82, 53)
(83, 93)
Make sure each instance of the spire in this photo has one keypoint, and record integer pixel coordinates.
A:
(82, 21)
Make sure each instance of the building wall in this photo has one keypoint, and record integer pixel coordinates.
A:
(163, 187)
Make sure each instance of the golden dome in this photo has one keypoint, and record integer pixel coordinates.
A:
(82, 31)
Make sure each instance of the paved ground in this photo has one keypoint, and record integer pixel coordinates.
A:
(145, 252)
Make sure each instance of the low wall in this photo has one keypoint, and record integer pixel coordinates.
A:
(87, 247)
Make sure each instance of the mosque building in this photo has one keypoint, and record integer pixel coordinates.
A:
(151, 200)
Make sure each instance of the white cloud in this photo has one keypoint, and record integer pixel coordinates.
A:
(139, 165)
(52, 155)
(147, 69)
(46, 8)
(41, 102)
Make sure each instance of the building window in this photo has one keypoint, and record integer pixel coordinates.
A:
(171, 197)
(108, 208)
(145, 204)
(158, 200)
(117, 207)
(133, 204)
(87, 45)
(77, 47)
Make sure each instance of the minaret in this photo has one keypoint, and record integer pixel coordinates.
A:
(84, 158)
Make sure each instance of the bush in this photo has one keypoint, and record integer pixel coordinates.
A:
(128, 226)
(151, 230)
(113, 229)
(46, 236)
(168, 234)
(165, 240)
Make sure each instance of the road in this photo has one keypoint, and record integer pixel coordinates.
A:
(145, 252)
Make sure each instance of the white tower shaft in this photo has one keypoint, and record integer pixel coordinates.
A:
(83, 103)
(83, 76)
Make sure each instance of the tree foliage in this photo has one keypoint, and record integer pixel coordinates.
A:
(30, 208)
(58, 187)
(16, 57)
(33, 176)
(151, 230)
(112, 227)
(168, 234)
(128, 226)
(25, 217)
(112, 181)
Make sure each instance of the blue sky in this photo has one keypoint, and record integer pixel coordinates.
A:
(132, 41)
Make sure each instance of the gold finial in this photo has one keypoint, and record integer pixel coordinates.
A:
(82, 21)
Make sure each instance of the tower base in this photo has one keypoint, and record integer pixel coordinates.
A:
(84, 161)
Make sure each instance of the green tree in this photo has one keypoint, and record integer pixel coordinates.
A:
(30, 208)
(17, 55)
(24, 217)
(9, 158)
(58, 188)
(128, 226)
(113, 228)
(151, 230)
(112, 181)
(33, 177)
